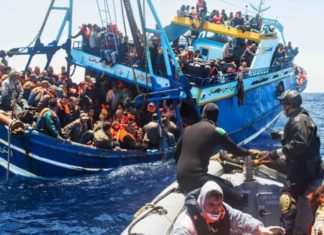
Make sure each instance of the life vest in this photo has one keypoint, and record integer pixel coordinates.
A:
(123, 133)
(64, 107)
(86, 32)
(28, 85)
(33, 94)
(221, 227)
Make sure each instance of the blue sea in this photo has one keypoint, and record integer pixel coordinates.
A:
(105, 203)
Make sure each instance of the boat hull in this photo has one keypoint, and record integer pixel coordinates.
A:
(36, 155)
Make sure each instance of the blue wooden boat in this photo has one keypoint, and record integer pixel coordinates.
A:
(33, 154)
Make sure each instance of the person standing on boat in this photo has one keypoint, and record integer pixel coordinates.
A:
(11, 90)
(201, 8)
(194, 149)
(206, 214)
(301, 152)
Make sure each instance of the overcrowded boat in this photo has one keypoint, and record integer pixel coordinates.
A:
(160, 79)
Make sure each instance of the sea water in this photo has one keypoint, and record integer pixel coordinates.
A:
(103, 203)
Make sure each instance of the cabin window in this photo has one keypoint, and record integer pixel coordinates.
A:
(204, 52)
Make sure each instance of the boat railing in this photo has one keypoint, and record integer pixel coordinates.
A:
(203, 82)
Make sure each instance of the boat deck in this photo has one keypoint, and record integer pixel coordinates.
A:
(223, 29)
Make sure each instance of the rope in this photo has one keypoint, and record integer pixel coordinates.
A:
(114, 6)
(123, 16)
(143, 23)
(150, 207)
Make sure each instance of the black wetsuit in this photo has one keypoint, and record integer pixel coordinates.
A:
(195, 147)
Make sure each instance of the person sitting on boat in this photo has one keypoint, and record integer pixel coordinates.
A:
(194, 149)
(300, 152)
(12, 90)
(206, 213)
(238, 21)
(51, 92)
(224, 17)
(48, 121)
(63, 110)
(290, 50)
(109, 52)
(256, 22)
(77, 128)
(124, 50)
(153, 133)
(126, 137)
(183, 11)
(217, 18)
(102, 137)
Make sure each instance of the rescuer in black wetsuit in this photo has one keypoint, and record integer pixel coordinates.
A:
(301, 153)
(194, 149)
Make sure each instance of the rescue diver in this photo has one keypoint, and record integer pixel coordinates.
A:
(300, 151)
(194, 149)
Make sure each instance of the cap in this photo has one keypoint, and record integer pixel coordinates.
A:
(151, 107)
(53, 88)
(93, 80)
(190, 48)
(84, 116)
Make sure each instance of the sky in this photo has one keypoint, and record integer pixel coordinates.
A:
(302, 19)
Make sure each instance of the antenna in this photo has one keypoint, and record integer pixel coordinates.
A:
(260, 9)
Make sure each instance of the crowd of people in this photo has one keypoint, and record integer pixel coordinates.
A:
(96, 112)
(200, 12)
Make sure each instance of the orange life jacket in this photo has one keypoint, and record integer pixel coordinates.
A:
(123, 133)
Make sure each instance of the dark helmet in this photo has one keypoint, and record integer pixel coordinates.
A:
(210, 112)
(291, 98)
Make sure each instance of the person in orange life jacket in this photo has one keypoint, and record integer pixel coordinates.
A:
(63, 110)
(48, 122)
(126, 137)
(85, 33)
(29, 85)
(194, 149)
(51, 92)
(207, 214)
